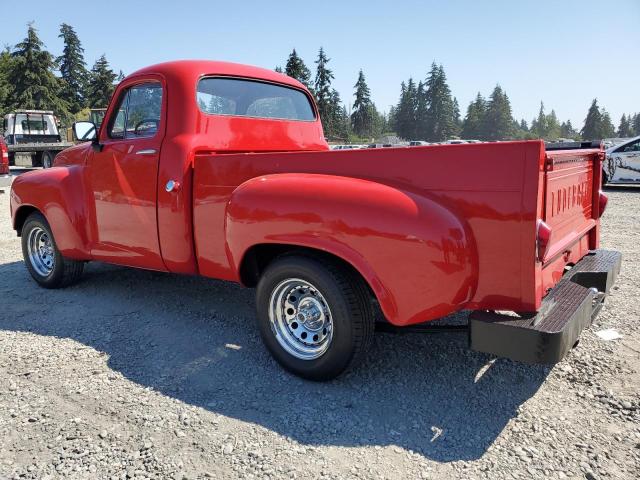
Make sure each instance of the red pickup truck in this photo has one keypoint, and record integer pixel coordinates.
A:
(222, 170)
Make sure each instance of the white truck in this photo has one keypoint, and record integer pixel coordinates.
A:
(32, 138)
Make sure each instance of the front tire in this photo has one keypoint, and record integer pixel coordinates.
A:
(315, 316)
(42, 258)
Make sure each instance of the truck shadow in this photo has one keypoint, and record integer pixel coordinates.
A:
(195, 340)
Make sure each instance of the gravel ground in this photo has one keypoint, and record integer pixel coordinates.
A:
(135, 374)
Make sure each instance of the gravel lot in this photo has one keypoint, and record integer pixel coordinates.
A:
(135, 374)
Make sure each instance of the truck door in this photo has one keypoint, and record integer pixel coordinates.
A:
(123, 178)
(624, 163)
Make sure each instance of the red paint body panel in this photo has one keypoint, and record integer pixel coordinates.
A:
(432, 229)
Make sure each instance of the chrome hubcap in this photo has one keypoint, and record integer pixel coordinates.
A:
(41, 253)
(300, 319)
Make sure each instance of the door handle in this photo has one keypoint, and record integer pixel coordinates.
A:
(148, 151)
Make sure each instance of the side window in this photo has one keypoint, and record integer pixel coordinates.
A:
(143, 111)
(138, 113)
(633, 147)
(116, 128)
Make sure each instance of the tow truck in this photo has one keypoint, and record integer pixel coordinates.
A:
(32, 138)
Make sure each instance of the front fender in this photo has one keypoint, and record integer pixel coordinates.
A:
(57, 194)
(417, 256)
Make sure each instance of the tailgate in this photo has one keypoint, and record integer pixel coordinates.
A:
(571, 196)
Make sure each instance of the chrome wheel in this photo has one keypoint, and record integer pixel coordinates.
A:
(41, 251)
(300, 319)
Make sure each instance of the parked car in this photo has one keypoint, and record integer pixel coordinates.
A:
(32, 138)
(4, 158)
(623, 163)
(418, 143)
(222, 170)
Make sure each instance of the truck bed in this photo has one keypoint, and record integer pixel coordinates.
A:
(498, 190)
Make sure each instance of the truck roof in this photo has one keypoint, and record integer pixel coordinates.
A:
(200, 68)
(43, 112)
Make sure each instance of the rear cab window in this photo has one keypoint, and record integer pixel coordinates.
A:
(254, 99)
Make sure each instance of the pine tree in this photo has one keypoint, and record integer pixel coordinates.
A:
(417, 125)
(34, 84)
(296, 68)
(474, 121)
(523, 125)
(636, 124)
(338, 124)
(498, 121)
(593, 124)
(608, 130)
(322, 88)
(278, 69)
(567, 130)
(101, 85)
(362, 117)
(625, 129)
(553, 126)
(440, 115)
(539, 126)
(72, 68)
(6, 66)
(456, 116)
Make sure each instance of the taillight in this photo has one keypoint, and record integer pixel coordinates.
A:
(602, 203)
(543, 240)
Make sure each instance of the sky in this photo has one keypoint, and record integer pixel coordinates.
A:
(562, 52)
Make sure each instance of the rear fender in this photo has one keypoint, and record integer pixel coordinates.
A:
(416, 255)
(56, 193)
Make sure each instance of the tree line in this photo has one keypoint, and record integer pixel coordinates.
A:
(427, 110)
(33, 78)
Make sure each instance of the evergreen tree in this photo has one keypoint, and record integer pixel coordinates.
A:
(296, 68)
(567, 130)
(636, 124)
(362, 117)
(625, 129)
(405, 113)
(338, 123)
(474, 121)
(608, 130)
(120, 76)
(322, 87)
(101, 85)
(539, 126)
(498, 121)
(31, 76)
(440, 123)
(6, 66)
(456, 116)
(553, 126)
(593, 125)
(72, 68)
(278, 69)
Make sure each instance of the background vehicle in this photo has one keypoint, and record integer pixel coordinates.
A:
(228, 175)
(418, 143)
(32, 138)
(4, 158)
(622, 164)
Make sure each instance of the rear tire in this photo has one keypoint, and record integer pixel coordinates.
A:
(605, 178)
(42, 258)
(315, 316)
